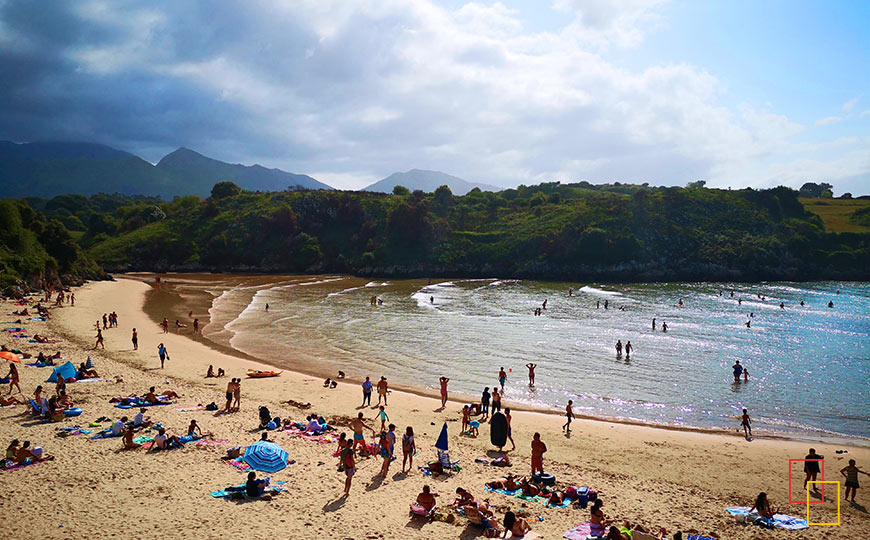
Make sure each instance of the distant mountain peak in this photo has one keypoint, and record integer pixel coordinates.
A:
(427, 181)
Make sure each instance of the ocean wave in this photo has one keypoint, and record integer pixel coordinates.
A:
(592, 290)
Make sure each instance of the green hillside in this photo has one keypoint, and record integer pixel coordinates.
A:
(612, 232)
(841, 215)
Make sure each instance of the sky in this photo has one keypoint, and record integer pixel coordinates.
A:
(734, 92)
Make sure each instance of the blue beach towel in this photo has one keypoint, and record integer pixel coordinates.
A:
(106, 434)
(223, 493)
(513, 493)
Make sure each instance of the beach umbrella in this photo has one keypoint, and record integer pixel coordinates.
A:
(12, 357)
(266, 456)
(441, 444)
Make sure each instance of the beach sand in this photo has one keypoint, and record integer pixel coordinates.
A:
(677, 479)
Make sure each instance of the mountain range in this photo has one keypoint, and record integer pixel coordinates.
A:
(46, 169)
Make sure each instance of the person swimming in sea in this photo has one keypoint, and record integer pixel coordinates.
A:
(267, 306)
(606, 302)
(748, 324)
(831, 304)
(664, 327)
(431, 299)
(654, 324)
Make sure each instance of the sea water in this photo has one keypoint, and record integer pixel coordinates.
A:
(809, 366)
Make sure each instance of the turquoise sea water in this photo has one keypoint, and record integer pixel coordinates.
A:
(809, 366)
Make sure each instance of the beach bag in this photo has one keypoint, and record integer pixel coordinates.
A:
(89, 364)
(234, 452)
(271, 425)
(593, 495)
(435, 466)
(571, 493)
(211, 406)
(583, 497)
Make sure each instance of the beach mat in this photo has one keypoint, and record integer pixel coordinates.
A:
(138, 405)
(583, 531)
(205, 442)
(16, 467)
(224, 494)
(513, 493)
(142, 439)
(780, 521)
(106, 435)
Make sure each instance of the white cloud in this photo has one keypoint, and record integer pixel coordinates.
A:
(865, 113)
(828, 120)
(350, 92)
(849, 106)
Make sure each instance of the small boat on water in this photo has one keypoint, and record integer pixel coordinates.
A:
(257, 374)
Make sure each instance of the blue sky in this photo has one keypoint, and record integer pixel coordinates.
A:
(737, 93)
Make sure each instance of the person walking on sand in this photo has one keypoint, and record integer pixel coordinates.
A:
(161, 352)
(237, 395)
(357, 426)
(196, 326)
(443, 381)
(502, 378)
(409, 448)
(811, 466)
(14, 378)
(135, 340)
(510, 435)
(72, 299)
(484, 403)
(851, 473)
(99, 342)
(229, 395)
(367, 392)
(746, 423)
(349, 466)
(569, 414)
(165, 325)
(531, 368)
(538, 450)
(382, 390)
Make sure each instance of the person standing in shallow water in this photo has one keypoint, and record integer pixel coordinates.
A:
(531, 373)
(654, 324)
(628, 348)
(618, 348)
(443, 381)
(746, 424)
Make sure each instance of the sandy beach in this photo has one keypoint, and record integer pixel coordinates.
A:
(656, 477)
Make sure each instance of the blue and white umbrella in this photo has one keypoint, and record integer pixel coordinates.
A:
(266, 456)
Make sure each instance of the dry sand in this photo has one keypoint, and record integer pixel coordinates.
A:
(676, 479)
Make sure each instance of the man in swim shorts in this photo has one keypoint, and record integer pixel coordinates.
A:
(357, 426)
(502, 378)
(738, 370)
(382, 390)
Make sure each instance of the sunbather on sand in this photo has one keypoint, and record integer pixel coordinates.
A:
(85, 373)
(210, 372)
(194, 430)
(164, 441)
(170, 394)
(151, 397)
(529, 490)
(462, 498)
(426, 499)
(25, 454)
(597, 517)
(6, 401)
(506, 483)
(128, 439)
(514, 525)
(256, 488)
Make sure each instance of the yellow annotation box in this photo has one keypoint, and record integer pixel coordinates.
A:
(808, 499)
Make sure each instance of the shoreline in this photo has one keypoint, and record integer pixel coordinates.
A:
(154, 307)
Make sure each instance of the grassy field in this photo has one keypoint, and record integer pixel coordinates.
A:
(836, 213)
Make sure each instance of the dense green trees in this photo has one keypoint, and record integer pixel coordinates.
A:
(557, 231)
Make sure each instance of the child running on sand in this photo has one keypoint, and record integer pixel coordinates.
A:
(382, 415)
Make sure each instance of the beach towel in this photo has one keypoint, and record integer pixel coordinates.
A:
(107, 434)
(325, 438)
(565, 503)
(190, 408)
(44, 341)
(224, 494)
(583, 531)
(27, 463)
(142, 439)
(531, 535)
(37, 364)
(139, 404)
(93, 379)
(238, 464)
(780, 521)
(513, 493)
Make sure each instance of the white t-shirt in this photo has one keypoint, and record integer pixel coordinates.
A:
(117, 427)
(160, 441)
(139, 419)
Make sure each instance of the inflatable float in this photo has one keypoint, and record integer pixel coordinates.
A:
(260, 374)
(75, 411)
